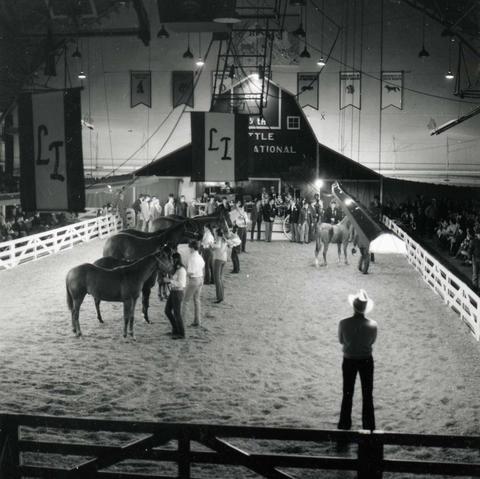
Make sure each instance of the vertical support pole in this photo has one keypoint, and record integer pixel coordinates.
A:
(317, 162)
(184, 455)
(9, 452)
(370, 456)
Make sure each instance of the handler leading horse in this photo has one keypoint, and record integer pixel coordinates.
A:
(340, 234)
(122, 284)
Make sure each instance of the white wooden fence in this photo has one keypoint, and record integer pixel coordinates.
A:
(454, 292)
(36, 246)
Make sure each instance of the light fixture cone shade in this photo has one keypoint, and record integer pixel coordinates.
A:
(82, 75)
(297, 3)
(423, 53)
(305, 53)
(188, 54)
(321, 62)
(76, 54)
(299, 32)
(449, 75)
(388, 243)
(225, 12)
(162, 33)
(200, 62)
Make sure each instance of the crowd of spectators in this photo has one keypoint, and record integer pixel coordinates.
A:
(18, 224)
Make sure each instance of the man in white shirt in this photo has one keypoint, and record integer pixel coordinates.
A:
(145, 213)
(169, 208)
(195, 273)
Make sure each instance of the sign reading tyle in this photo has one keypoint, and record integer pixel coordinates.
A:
(219, 146)
(51, 158)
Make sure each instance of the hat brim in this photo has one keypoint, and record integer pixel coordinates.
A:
(368, 308)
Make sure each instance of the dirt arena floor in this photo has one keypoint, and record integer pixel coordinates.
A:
(267, 356)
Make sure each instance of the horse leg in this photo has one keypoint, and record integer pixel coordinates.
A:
(97, 307)
(126, 315)
(145, 302)
(75, 315)
(132, 311)
(318, 247)
(325, 249)
(345, 246)
(339, 252)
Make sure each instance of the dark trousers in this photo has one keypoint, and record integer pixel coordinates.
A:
(350, 367)
(235, 260)
(218, 266)
(173, 312)
(208, 258)
(242, 234)
(259, 229)
(268, 230)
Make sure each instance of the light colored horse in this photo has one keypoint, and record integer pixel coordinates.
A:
(340, 234)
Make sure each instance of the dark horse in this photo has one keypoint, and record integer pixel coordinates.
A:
(159, 225)
(129, 247)
(341, 234)
(119, 284)
(107, 262)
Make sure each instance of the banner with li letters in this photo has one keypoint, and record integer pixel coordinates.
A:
(392, 90)
(182, 88)
(51, 158)
(219, 146)
(307, 89)
(350, 90)
(140, 88)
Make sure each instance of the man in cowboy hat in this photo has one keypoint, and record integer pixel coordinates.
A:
(357, 334)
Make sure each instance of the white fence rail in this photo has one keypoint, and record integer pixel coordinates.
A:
(454, 292)
(36, 246)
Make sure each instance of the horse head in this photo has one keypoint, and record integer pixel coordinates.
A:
(164, 259)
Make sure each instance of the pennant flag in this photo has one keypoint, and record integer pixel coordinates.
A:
(182, 88)
(350, 89)
(140, 88)
(219, 146)
(392, 90)
(307, 89)
(51, 158)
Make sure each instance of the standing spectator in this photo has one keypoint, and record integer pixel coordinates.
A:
(223, 210)
(333, 213)
(256, 219)
(181, 208)
(195, 273)
(136, 207)
(192, 209)
(207, 243)
(219, 260)
(269, 218)
(240, 219)
(155, 213)
(211, 206)
(175, 298)
(234, 242)
(169, 208)
(357, 335)
(474, 250)
(294, 216)
(145, 213)
(304, 219)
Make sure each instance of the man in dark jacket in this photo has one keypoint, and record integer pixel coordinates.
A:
(333, 214)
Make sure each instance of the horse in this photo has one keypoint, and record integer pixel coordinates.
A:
(122, 284)
(129, 247)
(341, 234)
(107, 262)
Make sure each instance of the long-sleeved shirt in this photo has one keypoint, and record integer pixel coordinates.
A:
(169, 209)
(239, 217)
(219, 249)
(207, 239)
(179, 279)
(195, 265)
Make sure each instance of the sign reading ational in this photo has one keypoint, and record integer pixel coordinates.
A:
(140, 88)
(51, 167)
(219, 146)
(307, 89)
(350, 90)
(392, 90)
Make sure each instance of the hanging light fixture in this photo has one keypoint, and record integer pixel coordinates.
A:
(297, 3)
(300, 32)
(423, 52)
(163, 33)
(305, 53)
(82, 75)
(225, 12)
(200, 61)
(188, 53)
(321, 62)
(76, 53)
(449, 75)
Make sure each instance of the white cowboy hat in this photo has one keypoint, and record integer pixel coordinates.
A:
(360, 302)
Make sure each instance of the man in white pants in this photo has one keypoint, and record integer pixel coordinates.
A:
(195, 272)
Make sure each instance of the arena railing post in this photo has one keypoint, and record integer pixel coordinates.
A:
(9, 451)
(184, 455)
(370, 455)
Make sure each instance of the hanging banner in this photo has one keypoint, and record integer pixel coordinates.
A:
(392, 90)
(140, 88)
(51, 158)
(219, 146)
(350, 90)
(182, 88)
(307, 89)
